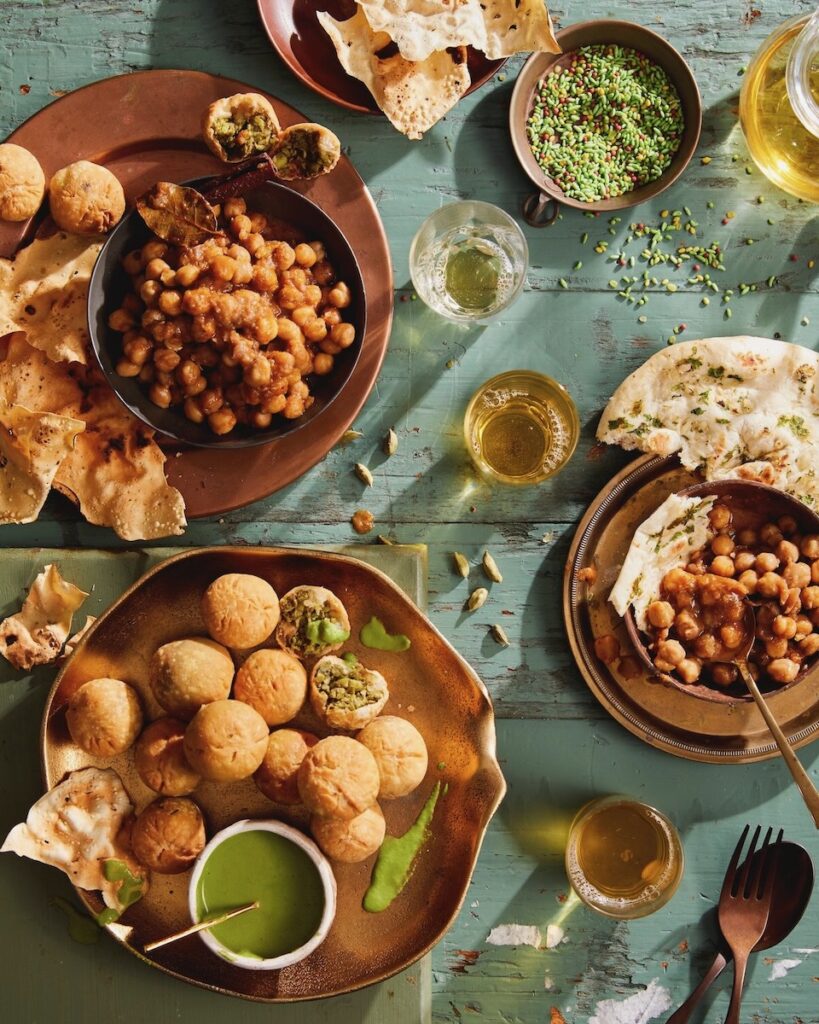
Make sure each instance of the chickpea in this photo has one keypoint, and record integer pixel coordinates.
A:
(331, 316)
(138, 349)
(273, 404)
(810, 546)
(776, 648)
(322, 364)
(154, 250)
(255, 244)
(259, 372)
(234, 207)
(809, 645)
(192, 411)
(289, 297)
(770, 534)
(187, 274)
(329, 347)
(766, 561)
(265, 278)
(792, 603)
(223, 268)
(797, 574)
(722, 544)
(133, 262)
(722, 565)
(771, 585)
(607, 648)
(261, 420)
(160, 395)
(720, 518)
(803, 627)
(747, 538)
(146, 374)
(686, 625)
(283, 256)
(342, 335)
(305, 255)
(151, 317)
(166, 360)
(810, 598)
(689, 670)
(312, 294)
(671, 651)
(266, 329)
(296, 276)
(787, 524)
(222, 421)
(241, 226)
(316, 330)
(339, 296)
(302, 315)
(783, 670)
(724, 675)
(168, 277)
(731, 636)
(288, 331)
(120, 320)
(187, 372)
(323, 272)
(258, 222)
(211, 400)
(155, 268)
(319, 249)
(705, 646)
(787, 552)
(744, 561)
(125, 368)
(784, 625)
(170, 302)
(196, 386)
(660, 614)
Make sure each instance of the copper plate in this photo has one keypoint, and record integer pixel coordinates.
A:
(430, 684)
(664, 717)
(298, 38)
(145, 126)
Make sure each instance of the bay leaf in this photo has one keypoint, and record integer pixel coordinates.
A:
(177, 214)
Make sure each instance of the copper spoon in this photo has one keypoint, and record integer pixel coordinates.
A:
(740, 659)
(793, 888)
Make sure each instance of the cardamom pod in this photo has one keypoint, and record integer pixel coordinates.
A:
(477, 598)
(391, 442)
(350, 435)
(461, 563)
(490, 567)
(363, 474)
(499, 634)
(382, 539)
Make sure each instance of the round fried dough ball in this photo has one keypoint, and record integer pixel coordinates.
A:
(22, 183)
(185, 674)
(277, 776)
(353, 840)
(169, 835)
(240, 610)
(274, 683)
(160, 759)
(226, 741)
(338, 778)
(400, 753)
(85, 199)
(104, 717)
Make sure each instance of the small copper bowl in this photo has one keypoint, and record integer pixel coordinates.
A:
(541, 208)
(765, 500)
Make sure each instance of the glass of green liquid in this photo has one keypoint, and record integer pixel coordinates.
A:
(468, 261)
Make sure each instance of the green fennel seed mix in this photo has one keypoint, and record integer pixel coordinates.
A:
(606, 123)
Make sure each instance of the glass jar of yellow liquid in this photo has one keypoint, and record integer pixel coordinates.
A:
(521, 427)
(779, 107)
(623, 858)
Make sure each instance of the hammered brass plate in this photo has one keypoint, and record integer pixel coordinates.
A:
(430, 684)
(662, 716)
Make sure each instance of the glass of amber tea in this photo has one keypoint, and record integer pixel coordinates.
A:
(468, 261)
(623, 858)
(521, 427)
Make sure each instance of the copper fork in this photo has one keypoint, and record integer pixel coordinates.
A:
(744, 905)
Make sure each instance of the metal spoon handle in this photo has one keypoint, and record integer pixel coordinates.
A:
(682, 1015)
(800, 776)
(740, 963)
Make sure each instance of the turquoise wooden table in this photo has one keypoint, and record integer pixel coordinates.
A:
(558, 746)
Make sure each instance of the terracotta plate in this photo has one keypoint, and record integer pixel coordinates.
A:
(303, 45)
(430, 684)
(660, 715)
(145, 127)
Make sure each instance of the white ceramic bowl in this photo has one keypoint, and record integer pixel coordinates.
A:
(326, 875)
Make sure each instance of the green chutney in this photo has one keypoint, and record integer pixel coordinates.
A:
(263, 866)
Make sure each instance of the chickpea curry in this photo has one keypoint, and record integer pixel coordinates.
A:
(696, 624)
(230, 329)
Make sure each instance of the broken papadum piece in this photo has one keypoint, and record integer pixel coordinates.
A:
(35, 635)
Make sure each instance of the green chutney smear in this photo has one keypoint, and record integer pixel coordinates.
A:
(375, 636)
(396, 858)
(128, 893)
(263, 866)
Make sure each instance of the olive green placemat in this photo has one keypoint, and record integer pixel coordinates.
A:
(46, 976)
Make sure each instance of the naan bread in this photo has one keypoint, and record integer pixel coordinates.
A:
(414, 96)
(730, 407)
(76, 827)
(32, 446)
(499, 28)
(36, 634)
(43, 291)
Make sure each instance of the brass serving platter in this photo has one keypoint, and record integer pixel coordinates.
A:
(665, 717)
(430, 684)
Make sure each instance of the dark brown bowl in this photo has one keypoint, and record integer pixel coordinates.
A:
(109, 284)
(769, 501)
(298, 38)
(541, 207)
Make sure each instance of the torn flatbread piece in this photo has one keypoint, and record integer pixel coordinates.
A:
(29, 378)
(77, 827)
(116, 473)
(43, 291)
(737, 407)
(35, 635)
(32, 446)
(498, 28)
(413, 95)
